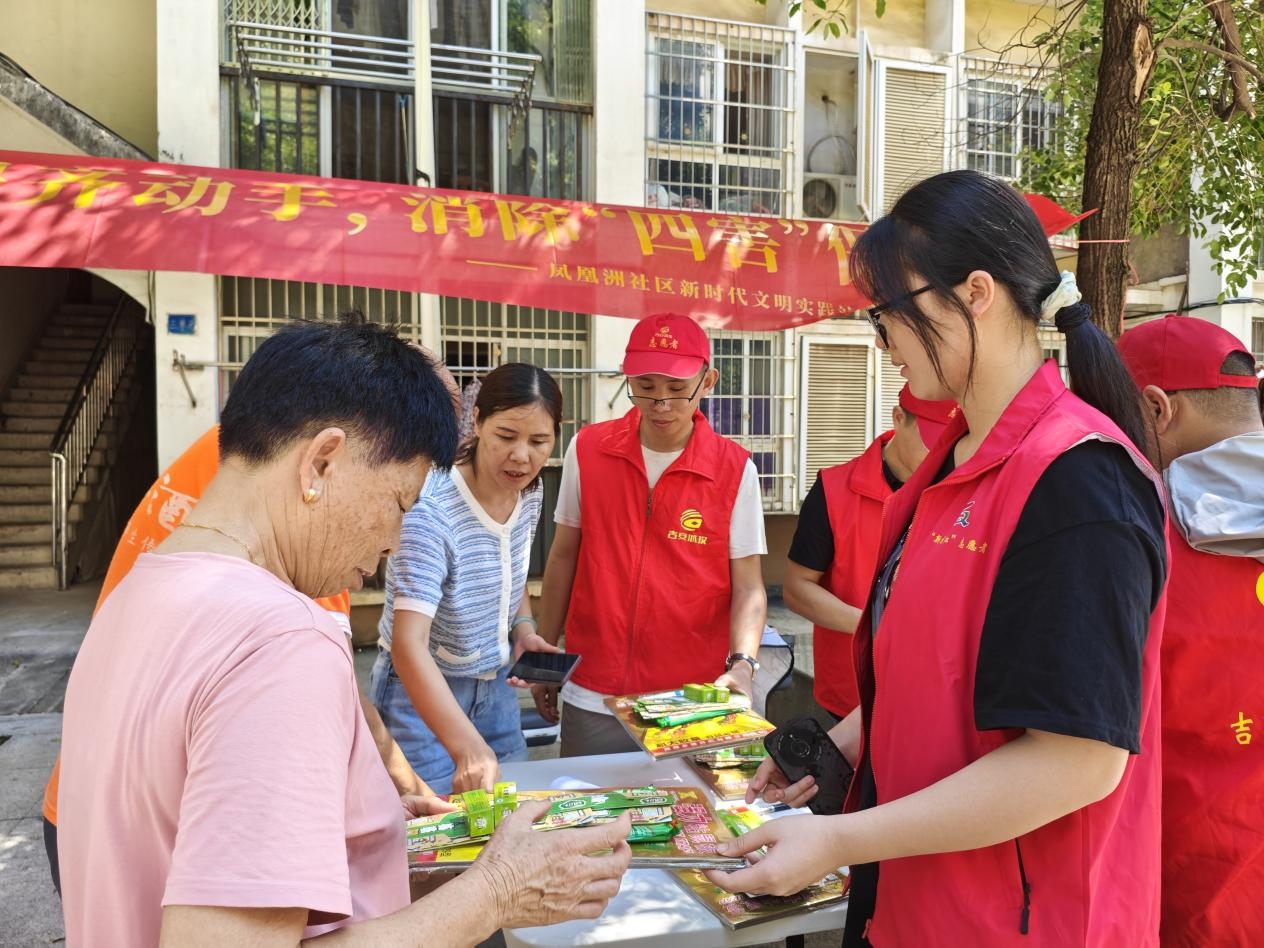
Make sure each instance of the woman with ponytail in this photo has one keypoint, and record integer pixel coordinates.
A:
(1006, 745)
(456, 591)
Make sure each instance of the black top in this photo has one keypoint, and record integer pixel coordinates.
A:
(813, 543)
(1067, 620)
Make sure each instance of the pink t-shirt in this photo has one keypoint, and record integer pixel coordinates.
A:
(214, 753)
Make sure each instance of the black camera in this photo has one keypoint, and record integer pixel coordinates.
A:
(802, 747)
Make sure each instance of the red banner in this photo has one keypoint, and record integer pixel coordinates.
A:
(756, 273)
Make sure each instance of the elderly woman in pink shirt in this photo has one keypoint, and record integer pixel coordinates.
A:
(219, 782)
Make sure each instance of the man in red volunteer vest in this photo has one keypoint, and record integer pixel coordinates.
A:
(1199, 383)
(835, 547)
(658, 582)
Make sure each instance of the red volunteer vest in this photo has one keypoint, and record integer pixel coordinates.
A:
(1213, 750)
(1093, 874)
(854, 495)
(650, 603)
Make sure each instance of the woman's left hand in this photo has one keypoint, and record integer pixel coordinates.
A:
(529, 642)
(416, 805)
(799, 854)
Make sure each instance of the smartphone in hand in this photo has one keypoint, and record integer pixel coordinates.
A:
(544, 668)
(803, 747)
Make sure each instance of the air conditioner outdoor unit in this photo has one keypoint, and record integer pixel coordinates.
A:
(830, 197)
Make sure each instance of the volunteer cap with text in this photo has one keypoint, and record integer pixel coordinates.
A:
(932, 417)
(666, 344)
(1181, 352)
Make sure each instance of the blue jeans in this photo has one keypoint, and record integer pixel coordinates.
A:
(491, 705)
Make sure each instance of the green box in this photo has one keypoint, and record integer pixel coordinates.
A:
(504, 800)
(478, 811)
(700, 693)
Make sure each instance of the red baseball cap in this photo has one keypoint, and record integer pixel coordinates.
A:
(932, 417)
(1182, 352)
(666, 344)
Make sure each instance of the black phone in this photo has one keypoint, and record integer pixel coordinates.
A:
(802, 747)
(544, 668)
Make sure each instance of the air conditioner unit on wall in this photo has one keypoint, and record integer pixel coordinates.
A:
(829, 197)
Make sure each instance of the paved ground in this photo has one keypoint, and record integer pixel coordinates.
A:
(40, 633)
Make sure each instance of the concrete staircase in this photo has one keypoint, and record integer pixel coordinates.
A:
(29, 417)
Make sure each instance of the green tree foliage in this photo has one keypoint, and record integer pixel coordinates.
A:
(1200, 146)
(1172, 90)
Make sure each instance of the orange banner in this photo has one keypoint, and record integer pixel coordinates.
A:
(756, 273)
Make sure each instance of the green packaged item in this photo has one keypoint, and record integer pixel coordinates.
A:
(698, 692)
(641, 815)
(427, 833)
(478, 812)
(614, 800)
(504, 800)
(707, 694)
(567, 819)
(653, 832)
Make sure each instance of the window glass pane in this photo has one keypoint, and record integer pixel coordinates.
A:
(686, 184)
(752, 103)
(461, 23)
(686, 76)
(286, 137)
(387, 18)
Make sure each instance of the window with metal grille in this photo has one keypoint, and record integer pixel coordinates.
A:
(486, 144)
(277, 126)
(750, 404)
(478, 336)
(1257, 339)
(719, 115)
(252, 309)
(1006, 115)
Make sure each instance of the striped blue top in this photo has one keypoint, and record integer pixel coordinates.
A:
(464, 570)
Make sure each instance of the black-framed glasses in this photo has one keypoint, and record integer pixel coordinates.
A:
(875, 312)
(647, 401)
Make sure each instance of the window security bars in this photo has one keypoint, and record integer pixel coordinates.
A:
(1006, 115)
(719, 116)
(752, 405)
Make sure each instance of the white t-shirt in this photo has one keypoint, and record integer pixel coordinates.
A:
(746, 531)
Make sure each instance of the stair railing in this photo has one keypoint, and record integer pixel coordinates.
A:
(70, 451)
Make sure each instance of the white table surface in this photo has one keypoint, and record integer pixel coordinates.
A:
(652, 907)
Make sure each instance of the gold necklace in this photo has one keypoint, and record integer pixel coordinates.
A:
(224, 533)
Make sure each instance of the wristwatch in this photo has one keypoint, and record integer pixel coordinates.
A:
(736, 657)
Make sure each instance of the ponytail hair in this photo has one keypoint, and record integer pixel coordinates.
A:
(1098, 373)
(954, 223)
(512, 385)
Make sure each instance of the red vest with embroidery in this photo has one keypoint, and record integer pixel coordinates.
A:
(1093, 875)
(854, 495)
(649, 607)
(1213, 750)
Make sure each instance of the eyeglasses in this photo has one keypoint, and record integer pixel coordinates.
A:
(875, 312)
(646, 401)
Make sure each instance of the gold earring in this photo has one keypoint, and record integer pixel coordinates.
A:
(310, 495)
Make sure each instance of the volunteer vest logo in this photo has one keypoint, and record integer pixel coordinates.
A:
(963, 518)
(691, 523)
(664, 339)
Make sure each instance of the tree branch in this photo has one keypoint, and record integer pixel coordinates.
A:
(1234, 60)
(1227, 23)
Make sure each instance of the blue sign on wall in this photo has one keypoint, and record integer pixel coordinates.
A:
(181, 324)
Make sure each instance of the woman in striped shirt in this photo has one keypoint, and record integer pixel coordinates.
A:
(456, 597)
